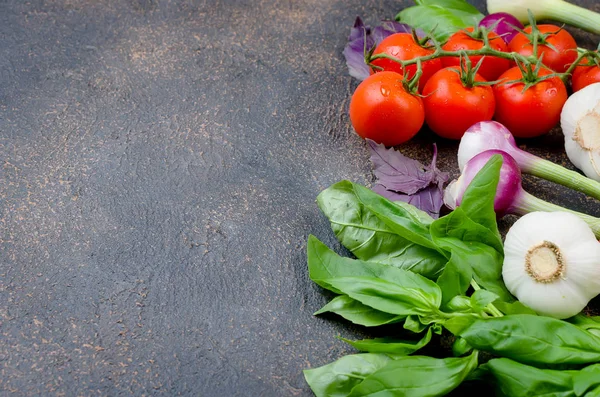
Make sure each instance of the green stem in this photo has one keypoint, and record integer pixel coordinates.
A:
(573, 15)
(528, 203)
(555, 173)
(438, 53)
(572, 67)
(491, 308)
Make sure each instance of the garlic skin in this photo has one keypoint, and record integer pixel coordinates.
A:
(580, 123)
(552, 263)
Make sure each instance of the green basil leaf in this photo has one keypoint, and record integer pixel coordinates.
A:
(460, 304)
(460, 347)
(593, 393)
(515, 307)
(587, 380)
(338, 378)
(481, 298)
(471, 234)
(358, 313)
(415, 214)
(441, 18)
(414, 324)
(387, 296)
(529, 339)
(396, 217)
(478, 201)
(390, 345)
(414, 376)
(455, 278)
(485, 262)
(324, 264)
(369, 238)
(520, 380)
(590, 324)
(456, 5)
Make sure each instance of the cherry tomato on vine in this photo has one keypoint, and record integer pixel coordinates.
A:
(531, 112)
(403, 46)
(468, 39)
(451, 108)
(584, 76)
(557, 59)
(383, 110)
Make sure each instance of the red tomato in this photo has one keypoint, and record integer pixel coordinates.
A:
(532, 112)
(584, 76)
(559, 59)
(382, 110)
(403, 46)
(492, 67)
(451, 108)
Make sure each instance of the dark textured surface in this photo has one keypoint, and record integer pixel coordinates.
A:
(159, 166)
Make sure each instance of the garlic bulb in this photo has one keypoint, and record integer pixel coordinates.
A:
(552, 263)
(580, 122)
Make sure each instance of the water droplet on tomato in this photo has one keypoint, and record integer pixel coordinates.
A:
(551, 91)
(385, 91)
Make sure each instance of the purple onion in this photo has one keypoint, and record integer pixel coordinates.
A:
(509, 187)
(510, 196)
(503, 24)
(488, 135)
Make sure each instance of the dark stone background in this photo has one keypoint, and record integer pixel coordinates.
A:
(159, 167)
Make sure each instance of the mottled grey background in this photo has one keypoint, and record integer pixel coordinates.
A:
(159, 167)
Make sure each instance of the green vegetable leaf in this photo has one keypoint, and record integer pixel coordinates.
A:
(587, 381)
(520, 380)
(413, 323)
(440, 17)
(415, 214)
(478, 202)
(387, 296)
(338, 378)
(370, 238)
(456, 277)
(528, 339)
(590, 324)
(324, 264)
(460, 304)
(460, 347)
(396, 217)
(358, 313)
(390, 345)
(414, 376)
(515, 307)
(481, 298)
(471, 235)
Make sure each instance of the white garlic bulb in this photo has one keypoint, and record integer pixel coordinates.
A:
(552, 263)
(580, 123)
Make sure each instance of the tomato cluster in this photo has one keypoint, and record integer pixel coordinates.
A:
(390, 107)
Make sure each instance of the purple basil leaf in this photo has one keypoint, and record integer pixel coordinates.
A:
(359, 41)
(436, 175)
(388, 28)
(429, 199)
(362, 39)
(400, 178)
(397, 172)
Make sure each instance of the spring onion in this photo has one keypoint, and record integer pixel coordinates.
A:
(557, 10)
(510, 198)
(488, 135)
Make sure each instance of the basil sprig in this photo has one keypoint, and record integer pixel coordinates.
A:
(418, 272)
